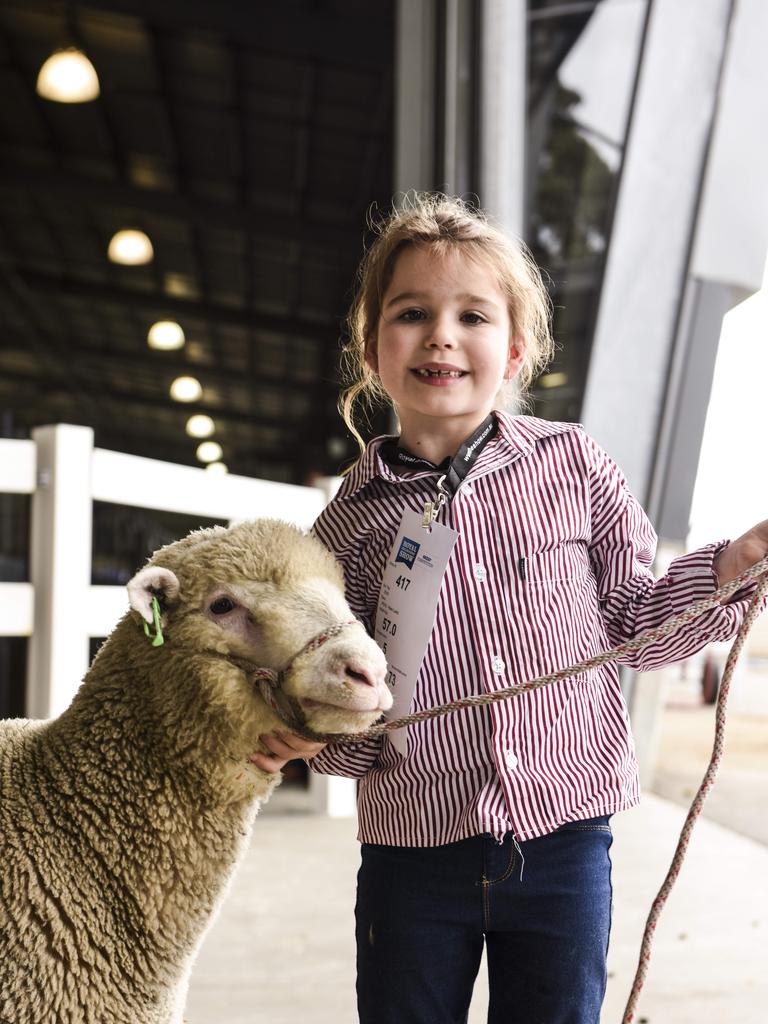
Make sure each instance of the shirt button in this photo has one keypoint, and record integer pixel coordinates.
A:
(497, 666)
(510, 759)
(468, 489)
(480, 573)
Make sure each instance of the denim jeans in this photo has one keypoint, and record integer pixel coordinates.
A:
(423, 914)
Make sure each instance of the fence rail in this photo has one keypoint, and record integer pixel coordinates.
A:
(58, 609)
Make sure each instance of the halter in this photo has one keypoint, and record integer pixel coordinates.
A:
(271, 681)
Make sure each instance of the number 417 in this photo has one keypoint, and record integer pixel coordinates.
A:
(403, 582)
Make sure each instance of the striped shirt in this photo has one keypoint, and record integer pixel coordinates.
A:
(551, 567)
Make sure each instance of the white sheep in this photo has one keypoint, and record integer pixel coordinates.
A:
(121, 821)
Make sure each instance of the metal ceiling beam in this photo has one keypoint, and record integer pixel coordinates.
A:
(183, 447)
(89, 358)
(154, 303)
(119, 433)
(47, 386)
(339, 38)
(15, 174)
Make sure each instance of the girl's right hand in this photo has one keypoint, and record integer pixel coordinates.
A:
(283, 747)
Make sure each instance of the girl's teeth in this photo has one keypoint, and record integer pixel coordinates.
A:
(440, 373)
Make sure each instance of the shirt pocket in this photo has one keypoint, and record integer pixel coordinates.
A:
(560, 596)
(566, 563)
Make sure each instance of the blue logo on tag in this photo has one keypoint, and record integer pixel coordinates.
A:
(408, 551)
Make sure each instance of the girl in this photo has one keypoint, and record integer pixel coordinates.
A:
(492, 825)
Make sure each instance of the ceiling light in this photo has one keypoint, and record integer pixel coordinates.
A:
(336, 447)
(216, 468)
(130, 247)
(180, 286)
(165, 335)
(200, 426)
(68, 77)
(186, 389)
(209, 451)
(553, 380)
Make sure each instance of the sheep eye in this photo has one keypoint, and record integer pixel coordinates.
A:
(222, 605)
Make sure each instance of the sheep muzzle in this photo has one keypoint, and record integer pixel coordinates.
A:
(270, 682)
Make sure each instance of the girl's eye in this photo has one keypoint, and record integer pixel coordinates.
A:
(473, 318)
(222, 605)
(411, 316)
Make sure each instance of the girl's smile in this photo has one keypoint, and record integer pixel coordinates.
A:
(443, 346)
(438, 375)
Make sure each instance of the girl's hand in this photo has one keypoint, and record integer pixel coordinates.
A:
(742, 553)
(283, 747)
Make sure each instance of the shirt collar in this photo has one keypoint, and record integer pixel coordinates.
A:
(516, 437)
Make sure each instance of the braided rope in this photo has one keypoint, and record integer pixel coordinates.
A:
(759, 569)
(321, 638)
(698, 802)
(480, 699)
(274, 676)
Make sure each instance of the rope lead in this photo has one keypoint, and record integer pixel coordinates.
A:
(759, 569)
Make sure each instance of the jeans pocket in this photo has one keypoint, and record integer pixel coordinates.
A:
(600, 824)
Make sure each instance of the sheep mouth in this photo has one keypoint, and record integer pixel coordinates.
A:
(312, 705)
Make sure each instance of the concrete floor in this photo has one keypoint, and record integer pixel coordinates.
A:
(282, 949)
(739, 799)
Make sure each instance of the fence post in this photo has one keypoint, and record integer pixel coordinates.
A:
(60, 567)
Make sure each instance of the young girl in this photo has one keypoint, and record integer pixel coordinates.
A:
(492, 825)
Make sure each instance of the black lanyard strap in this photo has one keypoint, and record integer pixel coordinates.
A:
(452, 470)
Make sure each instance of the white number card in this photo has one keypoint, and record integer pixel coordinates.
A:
(407, 607)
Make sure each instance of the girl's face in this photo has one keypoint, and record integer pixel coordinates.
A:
(444, 342)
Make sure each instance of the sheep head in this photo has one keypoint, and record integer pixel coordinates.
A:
(256, 594)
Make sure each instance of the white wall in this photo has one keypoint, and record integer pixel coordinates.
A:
(733, 225)
(731, 492)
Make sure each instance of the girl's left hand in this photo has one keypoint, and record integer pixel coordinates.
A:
(742, 553)
(283, 747)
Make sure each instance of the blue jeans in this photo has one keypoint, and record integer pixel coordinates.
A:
(423, 914)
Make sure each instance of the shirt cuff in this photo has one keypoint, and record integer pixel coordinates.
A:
(692, 577)
(350, 761)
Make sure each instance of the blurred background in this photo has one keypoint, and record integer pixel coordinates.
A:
(185, 192)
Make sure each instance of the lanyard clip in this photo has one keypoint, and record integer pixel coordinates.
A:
(432, 508)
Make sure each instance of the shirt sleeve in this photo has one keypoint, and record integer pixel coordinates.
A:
(622, 549)
(351, 761)
(335, 529)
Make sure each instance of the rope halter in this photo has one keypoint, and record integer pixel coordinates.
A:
(271, 682)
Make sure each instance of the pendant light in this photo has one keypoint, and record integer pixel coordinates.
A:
(186, 389)
(67, 76)
(165, 335)
(130, 247)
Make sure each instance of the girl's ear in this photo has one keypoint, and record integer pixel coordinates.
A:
(515, 357)
(372, 353)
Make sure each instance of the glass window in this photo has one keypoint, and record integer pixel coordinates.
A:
(582, 66)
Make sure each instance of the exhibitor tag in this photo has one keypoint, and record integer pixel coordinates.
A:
(407, 607)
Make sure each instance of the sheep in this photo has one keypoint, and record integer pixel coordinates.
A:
(122, 820)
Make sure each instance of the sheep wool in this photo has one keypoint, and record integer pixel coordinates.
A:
(122, 820)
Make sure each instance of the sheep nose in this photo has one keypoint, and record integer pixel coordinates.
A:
(359, 675)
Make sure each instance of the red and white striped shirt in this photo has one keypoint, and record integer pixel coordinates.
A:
(550, 568)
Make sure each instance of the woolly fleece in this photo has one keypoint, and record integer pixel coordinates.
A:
(122, 821)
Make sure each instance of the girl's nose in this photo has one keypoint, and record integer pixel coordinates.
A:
(441, 336)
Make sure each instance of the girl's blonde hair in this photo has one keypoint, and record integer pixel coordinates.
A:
(441, 224)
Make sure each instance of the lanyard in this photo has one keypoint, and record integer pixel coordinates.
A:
(452, 470)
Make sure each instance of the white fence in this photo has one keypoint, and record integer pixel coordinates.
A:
(59, 610)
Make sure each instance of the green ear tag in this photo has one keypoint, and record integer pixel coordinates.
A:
(158, 638)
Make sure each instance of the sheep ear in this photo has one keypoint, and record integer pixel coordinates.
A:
(152, 581)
